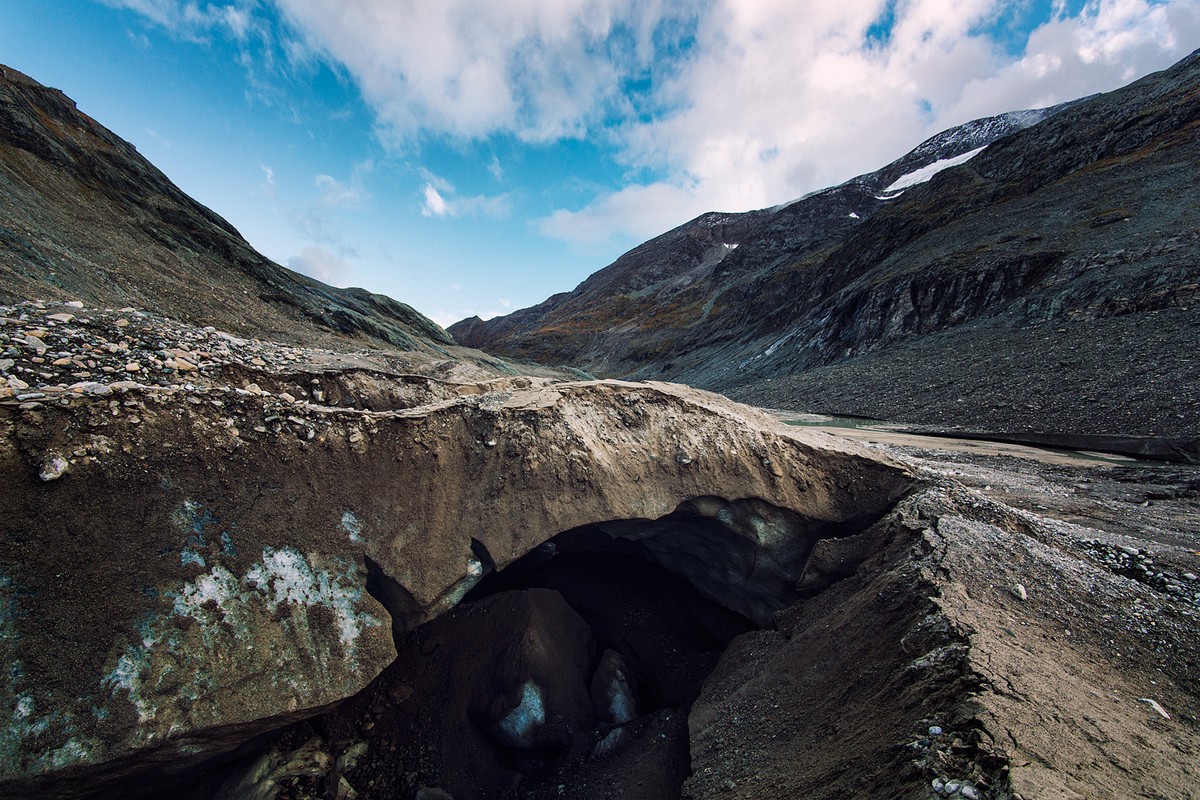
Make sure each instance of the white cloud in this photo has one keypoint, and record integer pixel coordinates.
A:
(352, 194)
(322, 264)
(772, 103)
(738, 103)
(626, 217)
(435, 205)
(440, 199)
(537, 69)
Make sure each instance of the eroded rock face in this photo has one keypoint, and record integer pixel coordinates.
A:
(205, 560)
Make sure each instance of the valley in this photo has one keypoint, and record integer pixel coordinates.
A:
(262, 538)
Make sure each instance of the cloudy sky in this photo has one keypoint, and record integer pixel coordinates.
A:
(476, 156)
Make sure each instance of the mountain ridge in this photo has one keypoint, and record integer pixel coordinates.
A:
(822, 214)
(76, 195)
(1080, 217)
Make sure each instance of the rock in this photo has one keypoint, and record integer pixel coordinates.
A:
(1018, 591)
(133, 366)
(6, 364)
(76, 304)
(286, 397)
(432, 793)
(614, 691)
(54, 467)
(61, 317)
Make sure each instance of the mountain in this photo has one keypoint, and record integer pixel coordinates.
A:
(87, 218)
(608, 323)
(996, 294)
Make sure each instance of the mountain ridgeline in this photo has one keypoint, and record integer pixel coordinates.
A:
(86, 217)
(976, 297)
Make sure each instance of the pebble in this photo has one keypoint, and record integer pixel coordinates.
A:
(54, 468)
(935, 730)
(1018, 591)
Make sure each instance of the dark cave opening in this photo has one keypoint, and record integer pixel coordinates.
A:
(572, 670)
(666, 635)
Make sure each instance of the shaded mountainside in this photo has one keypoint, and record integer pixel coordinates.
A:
(669, 282)
(1085, 224)
(85, 217)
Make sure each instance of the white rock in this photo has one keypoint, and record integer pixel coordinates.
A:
(54, 467)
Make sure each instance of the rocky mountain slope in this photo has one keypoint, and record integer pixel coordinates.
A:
(85, 217)
(1081, 225)
(665, 283)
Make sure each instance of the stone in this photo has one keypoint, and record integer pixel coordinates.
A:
(53, 468)
(286, 397)
(61, 317)
(614, 690)
(1018, 591)
(6, 364)
(133, 366)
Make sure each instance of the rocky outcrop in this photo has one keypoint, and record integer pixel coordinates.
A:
(1078, 223)
(87, 217)
(205, 516)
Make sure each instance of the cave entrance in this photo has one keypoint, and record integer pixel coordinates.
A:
(666, 634)
(571, 671)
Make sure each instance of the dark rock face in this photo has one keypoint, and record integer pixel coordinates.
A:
(1077, 222)
(87, 218)
(494, 689)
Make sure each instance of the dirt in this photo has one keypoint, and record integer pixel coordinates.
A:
(1062, 377)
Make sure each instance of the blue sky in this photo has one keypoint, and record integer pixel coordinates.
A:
(473, 156)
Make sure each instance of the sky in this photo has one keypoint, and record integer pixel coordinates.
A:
(472, 157)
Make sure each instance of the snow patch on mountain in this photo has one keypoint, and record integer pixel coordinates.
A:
(928, 171)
